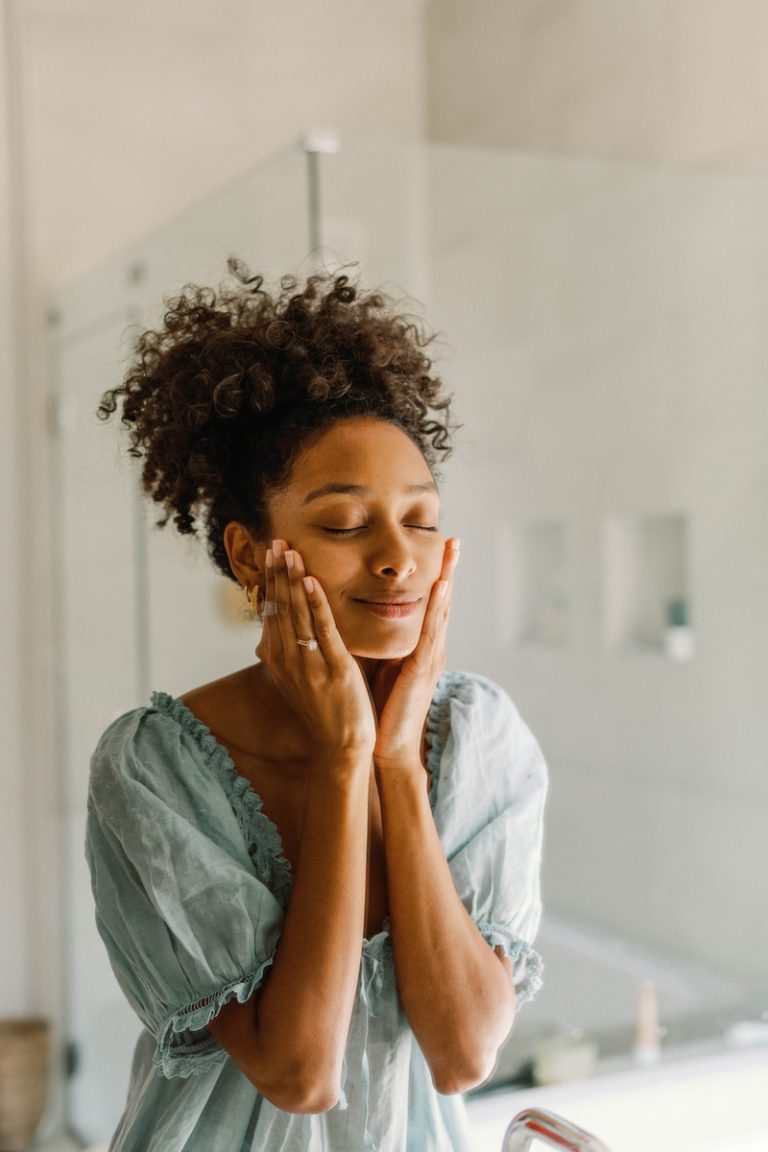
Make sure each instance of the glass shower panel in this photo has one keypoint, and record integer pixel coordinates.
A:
(98, 623)
(263, 218)
(139, 609)
(196, 630)
(373, 210)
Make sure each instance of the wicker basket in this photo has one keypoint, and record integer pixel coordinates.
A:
(24, 1059)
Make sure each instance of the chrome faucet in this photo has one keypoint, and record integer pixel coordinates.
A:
(536, 1124)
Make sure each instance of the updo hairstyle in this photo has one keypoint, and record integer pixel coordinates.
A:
(220, 399)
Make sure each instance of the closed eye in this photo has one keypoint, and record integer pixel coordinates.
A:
(359, 528)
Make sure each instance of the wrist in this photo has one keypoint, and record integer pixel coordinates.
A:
(400, 772)
(341, 766)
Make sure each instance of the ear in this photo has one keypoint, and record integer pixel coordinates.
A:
(246, 555)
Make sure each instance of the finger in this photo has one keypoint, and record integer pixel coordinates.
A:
(440, 599)
(323, 624)
(451, 558)
(451, 555)
(439, 606)
(303, 621)
(271, 627)
(435, 624)
(432, 628)
(283, 606)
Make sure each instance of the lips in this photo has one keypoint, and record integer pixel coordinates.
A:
(390, 607)
(387, 599)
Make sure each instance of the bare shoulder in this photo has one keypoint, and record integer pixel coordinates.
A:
(221, 704)
(246, 714)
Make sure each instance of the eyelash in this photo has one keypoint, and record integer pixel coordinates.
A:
(348, 531)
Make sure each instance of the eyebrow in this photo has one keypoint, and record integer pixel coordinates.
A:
(361, 490)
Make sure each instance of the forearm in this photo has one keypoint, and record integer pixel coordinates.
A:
(456, 992)
(304, 1008)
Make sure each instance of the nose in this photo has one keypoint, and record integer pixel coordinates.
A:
(392, 555)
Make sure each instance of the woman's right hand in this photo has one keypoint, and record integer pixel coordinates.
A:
(325, 688)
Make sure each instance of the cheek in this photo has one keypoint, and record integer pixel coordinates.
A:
(327, 563)
(434, 559)
(337, 567)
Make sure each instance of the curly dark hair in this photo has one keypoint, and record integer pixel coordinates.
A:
(221, 398)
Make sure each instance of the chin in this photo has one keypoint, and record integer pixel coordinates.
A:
(390, 652)
(392, 648)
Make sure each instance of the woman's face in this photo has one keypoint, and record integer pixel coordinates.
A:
(362, 509)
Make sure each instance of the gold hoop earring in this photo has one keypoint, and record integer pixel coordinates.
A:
(256, 612)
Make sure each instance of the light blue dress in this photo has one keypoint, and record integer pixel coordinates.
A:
(191, 888)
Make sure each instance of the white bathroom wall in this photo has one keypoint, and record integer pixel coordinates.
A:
(609, 357)
(664, 80)
(139, 111)
(620, 346)
(601, 327)
(13, 860)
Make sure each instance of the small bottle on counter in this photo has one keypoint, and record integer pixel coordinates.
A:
(678, 635)
(647, 1049)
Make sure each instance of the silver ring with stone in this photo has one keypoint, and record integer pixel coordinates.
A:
(311, 645)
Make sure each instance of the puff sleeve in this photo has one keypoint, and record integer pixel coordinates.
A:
(489, 788)
(187, 923)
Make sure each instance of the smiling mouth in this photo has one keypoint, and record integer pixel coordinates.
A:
(389, 608)
(387, 600)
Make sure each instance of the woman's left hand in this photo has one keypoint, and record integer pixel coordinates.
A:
(408, 685)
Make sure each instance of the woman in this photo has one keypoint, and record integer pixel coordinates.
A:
(317, 877)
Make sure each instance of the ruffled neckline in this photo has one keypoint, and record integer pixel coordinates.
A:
(265, 845)
(260, 833)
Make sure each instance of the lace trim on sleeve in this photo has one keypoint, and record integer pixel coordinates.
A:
(183, 1046)
(527, 962)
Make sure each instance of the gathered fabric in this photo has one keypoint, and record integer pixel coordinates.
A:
(191, 889)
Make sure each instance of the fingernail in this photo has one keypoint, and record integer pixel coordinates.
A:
(290, 558)
(442, 589)
(278, 548)
(309, 584)
(270, 558)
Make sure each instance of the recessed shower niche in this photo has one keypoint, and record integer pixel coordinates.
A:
(646, 589)
(534, 592)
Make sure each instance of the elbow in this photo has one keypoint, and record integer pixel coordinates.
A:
(303, 1091)
(463, 1080)
(462, 1068)
(463, 1072)
(311, 1100)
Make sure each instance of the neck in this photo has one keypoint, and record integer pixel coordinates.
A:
(368, 666)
